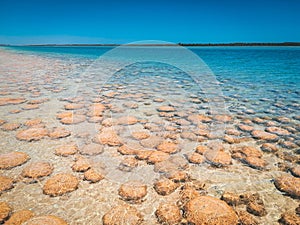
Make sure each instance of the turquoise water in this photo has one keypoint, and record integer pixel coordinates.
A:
(264, 79)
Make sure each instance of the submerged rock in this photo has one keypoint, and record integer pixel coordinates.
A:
(32, 134)
(289, 185)
(259, 134)
(231, 198)
(122, 214)
(108, 137)
(60, 184)
(65, 150)
(19, 217)
(218, 157)
(33, 122)
(127, 120)
(246, 128)
(81, 164)
(289, 219)
(246, 219)
(209, 210)
(6, 183)
(256, 208)
(151, 142)
(59, 132)
(165, 186)
(269, 147)
(133, 191)
(10, 126)
(5, 211)
(296, 171)
(73, 119)
(46, 220)
(11, 101)
(91, 149)
(157, 156)
(168, 213)
(140, 135)
(126, 150)
(167, 147)
(166, 109)
(128, 164)
(93, 175)
(37, 169)
(195, 158)
(13, 159)
(278, 130)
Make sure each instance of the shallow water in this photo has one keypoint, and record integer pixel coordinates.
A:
(260, 85)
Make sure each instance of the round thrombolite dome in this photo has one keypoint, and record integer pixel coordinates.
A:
(122, 214)
(46, 220)
(209, 210)
(12, 159)
(168, 213)
(133, 190)
(5, 210)
(37, 169)
(60, 184)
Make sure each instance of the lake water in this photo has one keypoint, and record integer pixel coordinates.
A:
(141, 113)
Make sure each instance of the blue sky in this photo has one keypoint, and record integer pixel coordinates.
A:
(117, 21)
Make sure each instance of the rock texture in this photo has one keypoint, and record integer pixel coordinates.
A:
(6, 183)
(37, 169)
(168, 213)
(289, 185)
(66, 150)
(165, 186)
(32, 134)
(19, 217)
(60, 184)
(5, 211)
(13, 159)
(122, 214)
(93, 175)
(46, 220)
(91, 149)
(209, 210)
(133, 190)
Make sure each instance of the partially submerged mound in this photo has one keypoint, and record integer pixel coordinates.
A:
(91, 149)
(168, 213)
(266, 136)
(32, 134)
(122, 214)
(65, 150)
(6, 183)
(108, 137)
(5, 210)
(19, 217)
(11, 101)
(46, 220)
(37, 169)
(13, 159)
(165, 186)
(209, 210)
(60, 184)
(133, 190)
(59, 132)
(93, 175)
(289, 185)
(10, 126)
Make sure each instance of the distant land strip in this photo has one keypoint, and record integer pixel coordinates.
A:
(180, 44)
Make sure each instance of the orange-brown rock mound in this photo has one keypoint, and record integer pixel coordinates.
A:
(60, 184)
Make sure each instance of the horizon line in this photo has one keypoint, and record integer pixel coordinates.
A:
(180, 44)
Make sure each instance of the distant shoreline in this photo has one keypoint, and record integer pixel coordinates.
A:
(179, 44)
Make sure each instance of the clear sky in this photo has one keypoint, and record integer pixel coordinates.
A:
(117, 21)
